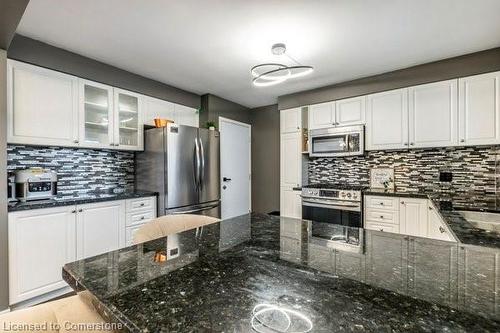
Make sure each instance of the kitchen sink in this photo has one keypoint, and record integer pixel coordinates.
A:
(483, 220)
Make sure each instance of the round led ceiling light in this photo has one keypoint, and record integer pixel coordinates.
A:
(269, 74)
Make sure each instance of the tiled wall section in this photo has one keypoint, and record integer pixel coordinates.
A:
(476, 171)
(79, 170)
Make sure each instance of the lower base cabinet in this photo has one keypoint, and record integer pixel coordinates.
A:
(42, 241)
(291, 203)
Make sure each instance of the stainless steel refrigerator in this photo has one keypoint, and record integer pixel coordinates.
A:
(181, 163)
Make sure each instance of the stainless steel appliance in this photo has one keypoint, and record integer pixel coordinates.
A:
(35, 184)
(11, 188)
(181, 163)
(332, 203)
(337, 141)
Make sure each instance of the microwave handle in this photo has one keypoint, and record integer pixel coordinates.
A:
(347, 142)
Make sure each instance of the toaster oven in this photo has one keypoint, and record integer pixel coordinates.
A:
(35, 184)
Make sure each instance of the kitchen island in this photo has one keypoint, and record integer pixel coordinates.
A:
(248, 271)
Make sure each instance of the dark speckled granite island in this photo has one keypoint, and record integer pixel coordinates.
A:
(375, 282)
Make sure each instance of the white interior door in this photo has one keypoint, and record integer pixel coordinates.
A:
(235, 167)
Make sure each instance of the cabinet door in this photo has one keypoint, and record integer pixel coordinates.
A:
(185, 115)
(433, 114)
(432, 270)
(322, 115)
(413, 217)
(350, 111)
(350, 265)
(291, 156)
(291, 120)
(41, 242)
(291, 203)
(387, 120)
(157, 108)
(479, 109)
(96, 114)
(128, 130)
(100, 228)
(435, 226)
(42, 106)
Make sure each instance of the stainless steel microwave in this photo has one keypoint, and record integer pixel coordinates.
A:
(337, 141)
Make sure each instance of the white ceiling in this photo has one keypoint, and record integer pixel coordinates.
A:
(209, 46)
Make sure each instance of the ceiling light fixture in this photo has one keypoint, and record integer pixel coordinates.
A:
(269, 74)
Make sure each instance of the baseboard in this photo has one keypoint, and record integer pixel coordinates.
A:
(4, 311)
(56, 294)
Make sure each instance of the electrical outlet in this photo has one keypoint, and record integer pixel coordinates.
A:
(445, 176)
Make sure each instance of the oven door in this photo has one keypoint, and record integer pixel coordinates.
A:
(335, 212)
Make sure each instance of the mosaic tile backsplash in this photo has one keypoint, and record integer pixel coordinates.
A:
(79, 171)
(476, 172)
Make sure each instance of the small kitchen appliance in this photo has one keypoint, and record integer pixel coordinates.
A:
(337, 141)
(35, 184)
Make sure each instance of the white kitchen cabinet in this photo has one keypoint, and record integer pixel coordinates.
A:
(128, 128)
(290, 203)
(479, 109)
(157, 108)
(41, 241)
(291, 154)
(433, 114)
(42, 106)
(185, 115)
(413, 217)
(436, 227)
(387, 120)
(96, 114)
(350, 111)
(291, 120)
(322, 115)
(100, 228)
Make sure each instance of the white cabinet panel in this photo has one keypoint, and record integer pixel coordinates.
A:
(350, 111)
(291, 120)
(433, 114)
(40, 243)
(291, 203)
(128, 128)
(322, 115)
(413, 217)
(436, 228)
(100, 228)
(157, 108)
(479, 109)
(387, 120)
(291, 168)
(42, 106)
(185, 115)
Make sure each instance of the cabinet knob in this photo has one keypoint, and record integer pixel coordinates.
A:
(412, 143)
(441, 229)
(142, 217)
(430, 208)
(73, 211)
(405, 143)
(142, 204)
(381, 204)
(402, 202)
(462, 140)
(80, 210)
(381, 229)
(75, 141)
(381, 216)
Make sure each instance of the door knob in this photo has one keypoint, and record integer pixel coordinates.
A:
(225, 179)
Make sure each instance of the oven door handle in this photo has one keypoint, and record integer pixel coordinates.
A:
(327, 201)
(355, 208)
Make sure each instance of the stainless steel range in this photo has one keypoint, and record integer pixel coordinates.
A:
(333, 203)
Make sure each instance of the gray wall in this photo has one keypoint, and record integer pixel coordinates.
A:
(214, 107)
(45, 55)
(470, 64)
(4, 263)
(265, 159)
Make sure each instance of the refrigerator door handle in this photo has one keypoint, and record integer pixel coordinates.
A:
(202, 164)
(196, 164)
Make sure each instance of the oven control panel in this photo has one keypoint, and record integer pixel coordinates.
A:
(351, 195)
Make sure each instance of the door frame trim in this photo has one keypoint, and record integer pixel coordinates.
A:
(235, 122)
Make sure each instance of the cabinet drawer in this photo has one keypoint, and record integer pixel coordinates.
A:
(129, 234)
(140, 204)
(382, 227)
(139, 217)
(382, 216)
(386, 203)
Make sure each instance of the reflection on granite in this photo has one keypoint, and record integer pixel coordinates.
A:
(272, 260)
(68, 200)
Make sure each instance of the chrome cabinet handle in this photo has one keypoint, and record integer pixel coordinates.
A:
(441, 229)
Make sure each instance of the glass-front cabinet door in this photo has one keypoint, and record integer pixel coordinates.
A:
(96, 115)
(128, 132)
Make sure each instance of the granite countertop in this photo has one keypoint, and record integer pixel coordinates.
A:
(68, 200)
(226, 272)
(464, 231)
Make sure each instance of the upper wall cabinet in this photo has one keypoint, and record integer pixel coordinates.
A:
(180, 114)
(387, 120)
(433, 114)
(350, 111)
(479, 109)
(42, 106)
(291, 120)
(322, 115)
(128, 130)
(343, 112)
